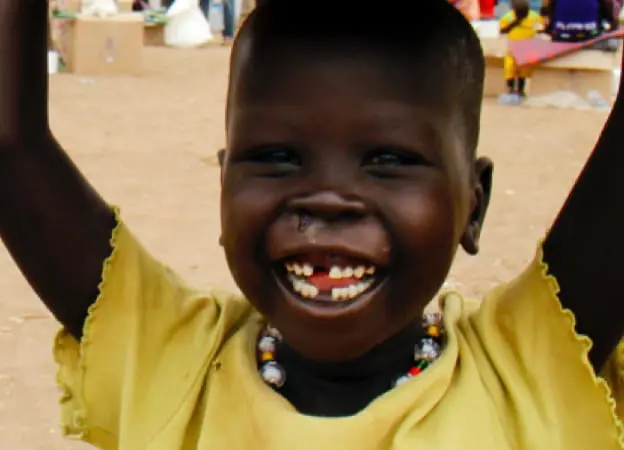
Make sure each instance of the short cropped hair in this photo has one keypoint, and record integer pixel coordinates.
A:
(410, 28)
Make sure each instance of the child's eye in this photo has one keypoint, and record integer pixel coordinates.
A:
(275, 155)
(389, 158)
(273, 161)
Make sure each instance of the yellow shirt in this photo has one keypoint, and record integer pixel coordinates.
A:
(163, 366)
(527, 29)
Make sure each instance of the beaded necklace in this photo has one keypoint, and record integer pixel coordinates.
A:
(426, 351)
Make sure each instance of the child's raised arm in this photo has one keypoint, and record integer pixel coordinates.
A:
(585, 247)
(52, 221)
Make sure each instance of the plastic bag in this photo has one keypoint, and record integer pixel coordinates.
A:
(186, 25)
(99, 7)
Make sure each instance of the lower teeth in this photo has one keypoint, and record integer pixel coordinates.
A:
(310, 291)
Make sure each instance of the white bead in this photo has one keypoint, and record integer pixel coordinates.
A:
(273, 332)
(267, 344)
(272, 373)
(429, 350)
(431, 319)
(402, 379)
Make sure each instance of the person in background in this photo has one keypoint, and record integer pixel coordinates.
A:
(519, 24)
(582, 20)
(504, 6)
(229, 17)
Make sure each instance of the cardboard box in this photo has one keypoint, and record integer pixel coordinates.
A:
(124, 6)
(69, 6)
(580, 72)
(154, 35)
(106, 45)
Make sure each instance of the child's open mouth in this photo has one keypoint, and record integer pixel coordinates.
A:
(333, 280)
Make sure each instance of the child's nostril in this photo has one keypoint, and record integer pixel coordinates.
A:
(305, 219)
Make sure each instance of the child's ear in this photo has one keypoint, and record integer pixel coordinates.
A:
(221, 159)
(482, 191)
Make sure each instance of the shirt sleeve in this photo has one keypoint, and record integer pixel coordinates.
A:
(537, 362)
(613, 374)
(147, 342)
(506, 20)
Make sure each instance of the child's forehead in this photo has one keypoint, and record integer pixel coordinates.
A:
(352, 74)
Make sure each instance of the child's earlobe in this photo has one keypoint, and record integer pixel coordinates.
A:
(470, 239)
(221, 159)
(482, 192)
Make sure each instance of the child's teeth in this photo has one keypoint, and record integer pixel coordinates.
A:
(298, 270)
(311, 291)
(335, 273)
(359, 272)
(307, 270)
(290, 267)
(353, 291)
(347, 272)
(370, 270)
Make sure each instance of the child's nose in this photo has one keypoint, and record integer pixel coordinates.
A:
(328, 205)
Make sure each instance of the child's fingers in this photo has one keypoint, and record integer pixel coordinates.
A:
(23, 69)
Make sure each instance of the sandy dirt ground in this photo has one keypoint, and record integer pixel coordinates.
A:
(148, 144)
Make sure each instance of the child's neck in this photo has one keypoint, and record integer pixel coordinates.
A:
(344, 389)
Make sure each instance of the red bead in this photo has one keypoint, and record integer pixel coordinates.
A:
(414, 371)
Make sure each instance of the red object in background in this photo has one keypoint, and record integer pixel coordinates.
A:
(531, 52)
(487, 9)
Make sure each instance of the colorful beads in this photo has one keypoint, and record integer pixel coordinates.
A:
(425, 352)
(271, 371)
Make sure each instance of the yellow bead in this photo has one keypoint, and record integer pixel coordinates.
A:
(433, 330)
(267, 356)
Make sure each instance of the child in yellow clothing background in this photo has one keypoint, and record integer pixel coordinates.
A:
(521, 23)
(351, 178)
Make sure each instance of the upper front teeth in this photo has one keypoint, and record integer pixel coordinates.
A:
(337, 273)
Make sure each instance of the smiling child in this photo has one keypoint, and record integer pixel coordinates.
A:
(350, 180)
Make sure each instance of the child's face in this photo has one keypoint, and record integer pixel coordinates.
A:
(351, 165)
